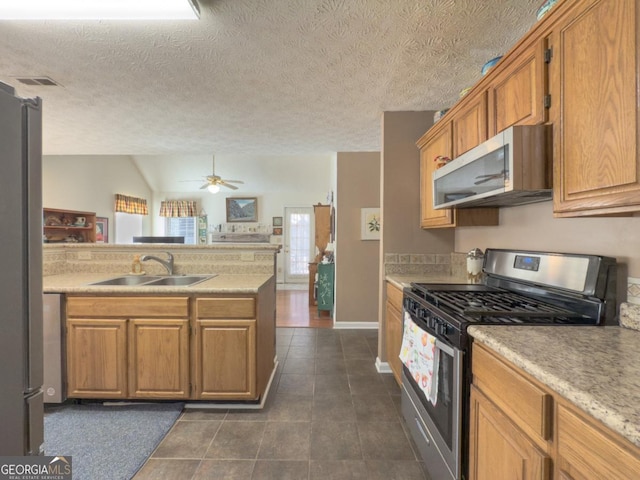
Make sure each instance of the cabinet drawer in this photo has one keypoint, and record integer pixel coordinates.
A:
(394, 296)
(226, 308)
(585, 451)
(528, 405)
(155, 307)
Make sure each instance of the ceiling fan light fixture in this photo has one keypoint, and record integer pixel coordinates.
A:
(213, 188)
(99, 10)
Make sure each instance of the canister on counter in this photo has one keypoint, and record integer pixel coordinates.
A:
(475, 259)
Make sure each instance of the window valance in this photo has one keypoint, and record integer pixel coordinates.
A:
(178, 208)
(127, 204)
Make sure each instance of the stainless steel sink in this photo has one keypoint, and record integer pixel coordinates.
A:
(179, 280)
(155, 281)
(127, 280)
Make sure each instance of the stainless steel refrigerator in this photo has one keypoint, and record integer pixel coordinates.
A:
(21, 397)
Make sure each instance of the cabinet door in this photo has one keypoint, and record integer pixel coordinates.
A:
(516, 95)
(97, 358)
(438, 144)
(587, 451)
(225, 359)
(594, 82)
(470, 124)
(394, 340)
(498, 449)
(158, 358)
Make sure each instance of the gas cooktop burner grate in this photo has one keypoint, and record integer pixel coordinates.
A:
(502, 305)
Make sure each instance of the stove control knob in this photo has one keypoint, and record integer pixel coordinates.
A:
(442, 329)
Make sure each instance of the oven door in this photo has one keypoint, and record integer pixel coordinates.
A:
(436, 429)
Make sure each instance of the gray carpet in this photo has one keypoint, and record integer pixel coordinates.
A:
(107, 442)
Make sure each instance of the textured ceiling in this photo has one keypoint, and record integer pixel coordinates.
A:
(255, 77)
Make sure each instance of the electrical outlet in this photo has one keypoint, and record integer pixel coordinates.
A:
(84, 255)
(247, 256)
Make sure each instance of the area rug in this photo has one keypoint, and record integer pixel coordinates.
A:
(107, 442)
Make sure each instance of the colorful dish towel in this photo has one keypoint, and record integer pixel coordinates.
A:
(421, 357)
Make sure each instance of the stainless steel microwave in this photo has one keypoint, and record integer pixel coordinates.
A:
(512, 168)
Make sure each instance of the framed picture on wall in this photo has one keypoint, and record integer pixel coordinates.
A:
(277, 230)
(242, 209)
(370, 224)
(277, 221)
(102, 230)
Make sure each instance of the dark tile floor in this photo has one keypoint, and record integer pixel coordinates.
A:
(329, 416)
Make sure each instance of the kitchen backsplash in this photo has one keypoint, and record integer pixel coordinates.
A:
(425, 264)
(117, 259)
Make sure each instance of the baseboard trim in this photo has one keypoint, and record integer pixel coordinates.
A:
(356, 325)
(382, 367)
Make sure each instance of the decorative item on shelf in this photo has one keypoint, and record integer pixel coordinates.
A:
(53, 221)
(490, 64)
(439, 114)
(441, 161)
(544, 8)
(80, 221)
(102, 230)
(475, 259)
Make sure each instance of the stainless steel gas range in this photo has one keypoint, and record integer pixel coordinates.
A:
(520, 288)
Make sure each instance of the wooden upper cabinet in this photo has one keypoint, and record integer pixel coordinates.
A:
(516, 94)
(594, 75)
(470, 124)
(438, 143)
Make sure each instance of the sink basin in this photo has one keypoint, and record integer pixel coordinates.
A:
(179, 280)
(128, 280)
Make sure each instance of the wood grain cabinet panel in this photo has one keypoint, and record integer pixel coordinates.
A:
(393, 337)
(149, 307)
(587, 451)
(226, 308)
(517, 93)
(499, 450)
(594, 88)
(226, 359)
(470, 124)
(159, 358)
(96, 358)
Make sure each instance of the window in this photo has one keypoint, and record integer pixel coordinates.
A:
(182, 227)
(127, 226)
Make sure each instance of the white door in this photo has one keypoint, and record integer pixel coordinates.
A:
(298, 243)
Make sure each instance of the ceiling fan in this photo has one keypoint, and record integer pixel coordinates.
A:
(214, 181)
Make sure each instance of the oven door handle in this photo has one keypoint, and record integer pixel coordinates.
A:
(445, 348)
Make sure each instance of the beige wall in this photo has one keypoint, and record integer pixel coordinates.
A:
(533, 227)
(400, 191)
(357, 261)
(89, 182)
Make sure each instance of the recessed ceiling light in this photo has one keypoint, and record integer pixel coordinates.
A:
(99, 10)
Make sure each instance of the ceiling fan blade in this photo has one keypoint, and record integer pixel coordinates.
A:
(204, 186)
(233, 181)
(225, 184)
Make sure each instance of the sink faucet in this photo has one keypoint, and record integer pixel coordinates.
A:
(168, 264)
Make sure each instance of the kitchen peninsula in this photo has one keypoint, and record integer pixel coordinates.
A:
(213, 340)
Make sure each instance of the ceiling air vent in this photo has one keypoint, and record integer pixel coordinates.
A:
(42, 81)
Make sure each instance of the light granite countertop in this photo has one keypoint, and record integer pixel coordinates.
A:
(595, 368)
(79, 283)
(402, 281)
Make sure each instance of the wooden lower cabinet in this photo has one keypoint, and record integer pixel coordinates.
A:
(166, 348)
(96, 358)
(498, 449)
(158, 358)
(510, 415)
(225, 359)
(393, 330)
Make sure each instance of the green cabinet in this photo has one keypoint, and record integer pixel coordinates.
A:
(325, 286)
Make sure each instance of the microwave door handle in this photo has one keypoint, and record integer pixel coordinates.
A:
(491, 176)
